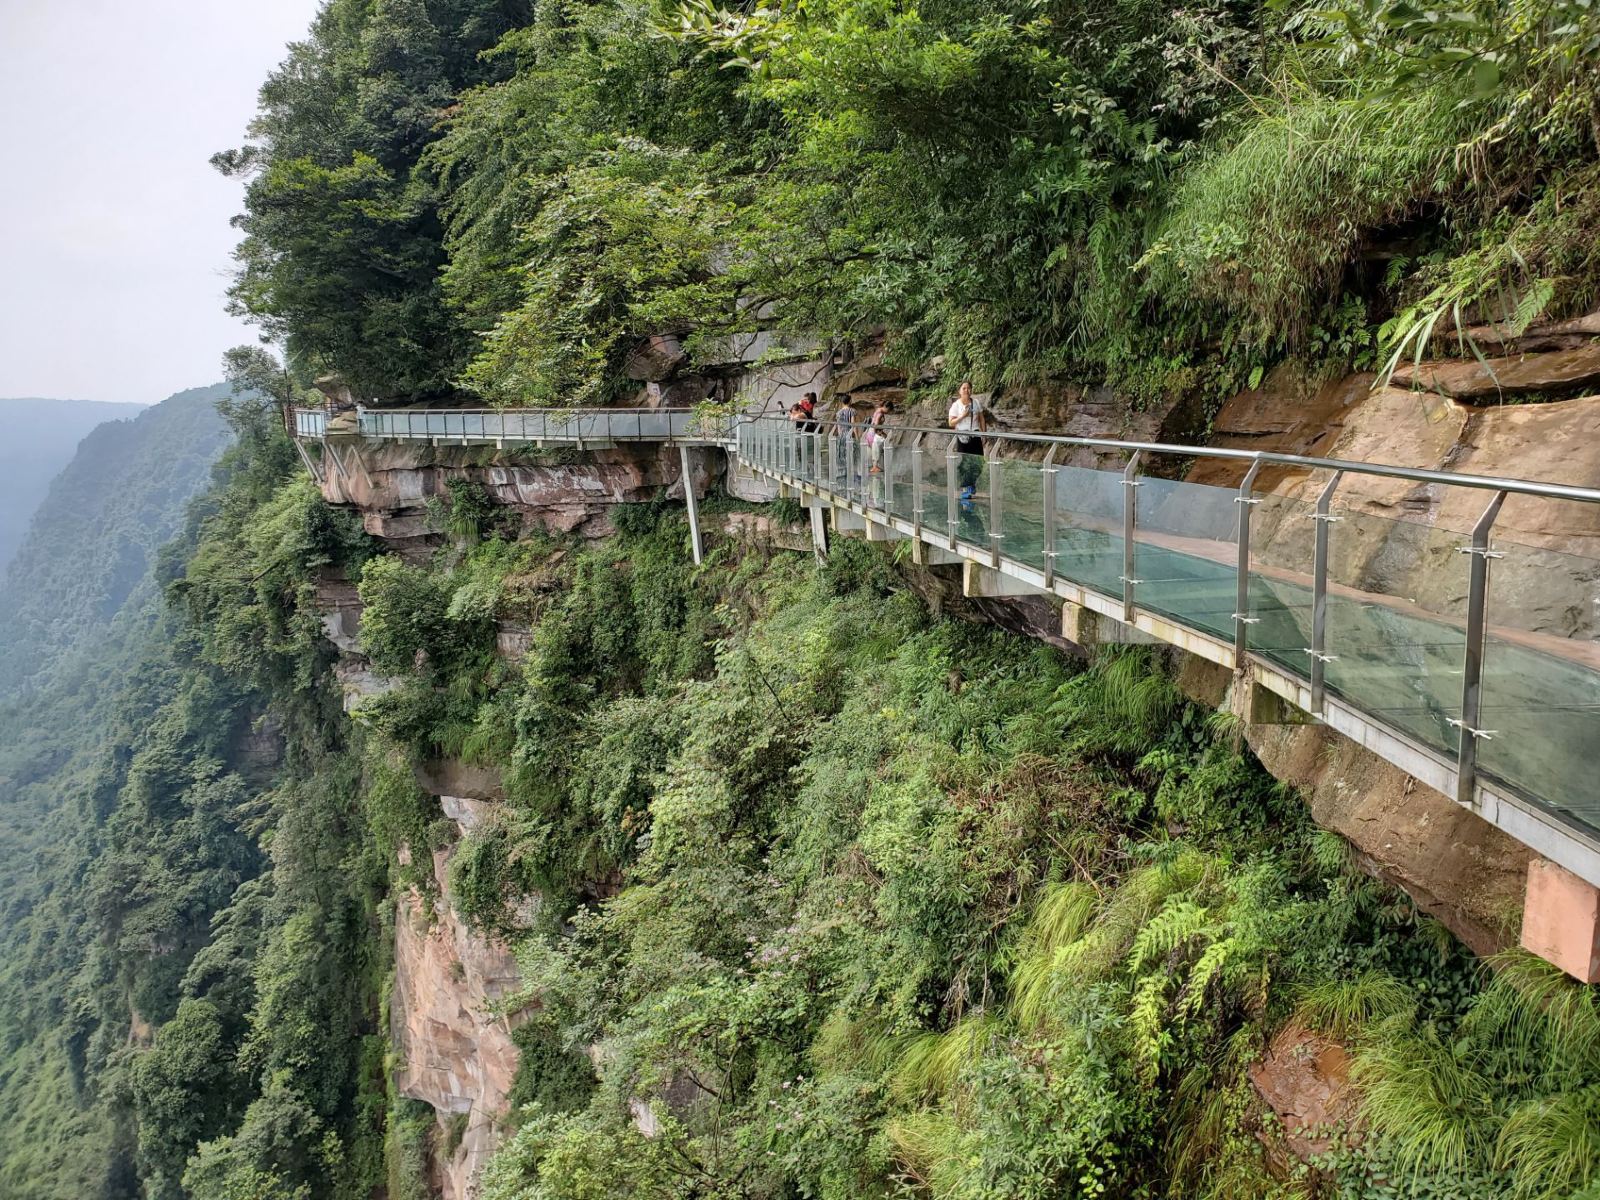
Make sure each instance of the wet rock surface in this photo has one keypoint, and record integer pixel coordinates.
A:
(1304, 1079)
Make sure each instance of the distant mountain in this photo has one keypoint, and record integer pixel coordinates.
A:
(97, 527)
(40, 438)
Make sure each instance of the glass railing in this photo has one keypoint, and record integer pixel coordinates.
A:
(1088, 533)
(531, 425)
(1379, 617)
(1539, 717)
(310, 422)
(1185, 553)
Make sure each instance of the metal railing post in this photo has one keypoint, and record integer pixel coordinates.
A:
(916, 487)
(1130, 510)
(886, 475)
(1472, 659)
(953, 512)
(996, 521)
(1242, 620)
(1319, 597)
(1049, 487)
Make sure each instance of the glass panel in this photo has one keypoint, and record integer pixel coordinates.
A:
(898, 481)
(1541, 671)
(1186, 554)
(972, 500)
(1282, 549)
(936, 485)
(812, 464)
(1397, 595)
(1089, 528)
(1021, 510)
(838, 459)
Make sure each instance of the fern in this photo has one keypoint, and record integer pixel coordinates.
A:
(1179, 920)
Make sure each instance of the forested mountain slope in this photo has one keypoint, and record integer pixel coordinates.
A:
(815, 892)
(82, 619)
(40, 438)
(98, 527)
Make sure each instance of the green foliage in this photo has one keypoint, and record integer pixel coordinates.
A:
(551, 1076)
(408, 626)
(341, 252)
(1168, 199)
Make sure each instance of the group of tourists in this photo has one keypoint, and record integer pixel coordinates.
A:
(852, 422)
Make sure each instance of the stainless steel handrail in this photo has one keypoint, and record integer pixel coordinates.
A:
(760, 441)
(1526, 487)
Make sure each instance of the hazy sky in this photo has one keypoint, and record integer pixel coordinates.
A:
(114, 237)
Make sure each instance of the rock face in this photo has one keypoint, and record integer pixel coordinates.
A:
(453, 1051)
(452, 1046)
(1557, 371)
(561, 491)
(1557, 442)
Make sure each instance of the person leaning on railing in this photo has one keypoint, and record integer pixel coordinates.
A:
(969, 417)
(877, 432)
(808, 406)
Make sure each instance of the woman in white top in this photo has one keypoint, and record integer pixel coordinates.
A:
(968, 417)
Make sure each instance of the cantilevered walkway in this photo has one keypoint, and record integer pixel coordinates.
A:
(1415, 652)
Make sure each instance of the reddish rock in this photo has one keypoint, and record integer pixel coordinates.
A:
(1549, 335)
(392, 483)
(656, 358)
(452, 777)
(1467, 379)
(1305, 1079)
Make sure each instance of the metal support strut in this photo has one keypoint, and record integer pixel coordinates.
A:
(916, 487)
(953, 512)
(996, 521)
(689, 498)
(1050, 517)
(1472, 661)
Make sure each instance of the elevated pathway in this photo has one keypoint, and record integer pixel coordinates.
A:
(1392, 633)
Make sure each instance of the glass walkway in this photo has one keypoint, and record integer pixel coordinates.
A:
(1470, 660)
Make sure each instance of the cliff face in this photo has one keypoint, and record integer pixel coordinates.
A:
(451, 1045)
(556, 491)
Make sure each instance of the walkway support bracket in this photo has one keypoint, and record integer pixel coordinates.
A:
(311, 466)
(689, 499)
(1319, 597)
(1242, 620)
(1479, 554)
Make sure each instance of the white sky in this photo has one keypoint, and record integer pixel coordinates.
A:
(114, 237)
